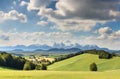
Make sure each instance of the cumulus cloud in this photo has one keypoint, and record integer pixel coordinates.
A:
(105, 30)
(114, 13)
(87, 9)
(37, 4)
(104, 37)
(83, 14)
(93, 40)
(43, 23)
(108, 33)
(12, 15)
(15, 38)
(23, 3)
(76, 15)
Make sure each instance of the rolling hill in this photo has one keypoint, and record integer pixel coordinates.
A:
(67, 69)
(82, 62)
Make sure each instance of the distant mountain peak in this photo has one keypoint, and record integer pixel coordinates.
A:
(55, 45)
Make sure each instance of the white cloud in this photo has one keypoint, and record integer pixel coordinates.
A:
(74, 24)
(76, 15)
(108, 33)
(23, 3)
(105, 30)
(37, 4)
(12, 15)
(15, 38)
(115, 35)
(43, 23)
(104, 37)
(105, 43)
(82, 15)
(114, 13)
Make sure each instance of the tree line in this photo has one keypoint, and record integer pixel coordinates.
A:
(102, 54)
(63, 57)
(19, 63)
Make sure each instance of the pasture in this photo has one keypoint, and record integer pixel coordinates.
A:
(59, 75)
(82, 63)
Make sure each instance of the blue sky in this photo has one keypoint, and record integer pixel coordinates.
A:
(94, 22)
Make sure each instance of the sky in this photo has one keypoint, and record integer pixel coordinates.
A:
(87, 22)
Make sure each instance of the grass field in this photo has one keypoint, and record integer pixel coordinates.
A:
(108, 69)
(82, 63)
(59, 75)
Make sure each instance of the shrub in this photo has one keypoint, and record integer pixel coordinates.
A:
(93, 67)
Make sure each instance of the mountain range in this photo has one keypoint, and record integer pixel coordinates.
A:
(56, 47)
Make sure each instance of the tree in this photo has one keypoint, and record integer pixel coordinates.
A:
(43, 67)
(93, 67)
(29, 66)
(38, 67)
(8, 59)
(18, 62)
(105, 56)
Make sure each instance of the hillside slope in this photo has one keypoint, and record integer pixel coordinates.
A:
(82, 62)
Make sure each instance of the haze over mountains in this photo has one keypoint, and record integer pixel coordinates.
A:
(55, 47)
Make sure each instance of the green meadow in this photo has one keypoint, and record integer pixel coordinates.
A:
(82, 63)
(59, 75)
(73, 68)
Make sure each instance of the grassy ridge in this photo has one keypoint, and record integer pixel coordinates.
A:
(82, 62)
(58, 75)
